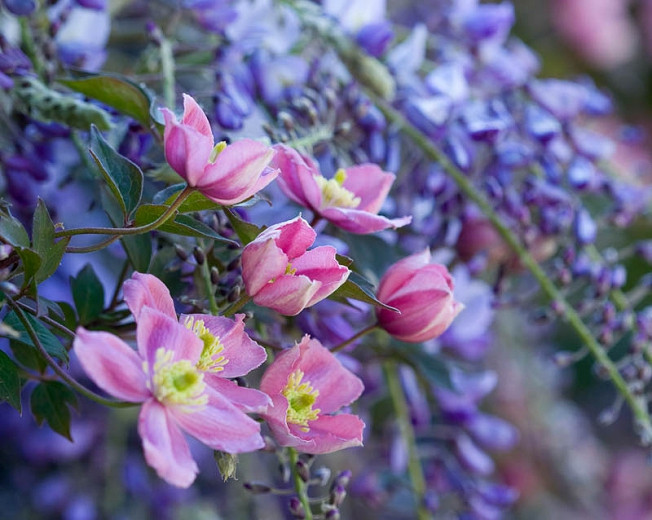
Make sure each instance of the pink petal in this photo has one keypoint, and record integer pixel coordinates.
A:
(112, 364)
(221, 425)
(320, 264)
(262, 261)
(276, 420)
(236, 169)
(337, 385)
(243, 353)
(217, 195)
(297, 178)
(145, 290)
(362, 222)
(165, 448)
(287, 295)
(400, 272)
(293, 237)
(194, 117)
(371, 184)
(186, 150)
(156, 330)
(330, 433)
(276, 375)
(248, 400)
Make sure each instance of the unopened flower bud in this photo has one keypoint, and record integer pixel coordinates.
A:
(423, 294)
(303, 470)
(296, 509)
(200, 256)
(338, 494)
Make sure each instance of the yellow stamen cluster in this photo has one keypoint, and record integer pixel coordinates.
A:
(301, 397)
(333, 193)
(176, 382)
(210, 359)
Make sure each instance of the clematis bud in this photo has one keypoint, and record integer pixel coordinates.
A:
(280, 273)
(423, 293)
(226, 174)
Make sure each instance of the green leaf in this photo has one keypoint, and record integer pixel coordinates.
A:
(43, 243)
(9, 382)
(117, 92)
(125, 178)
(246, 231)
(195, 202)
(49, 341)
(31, 262)
(433, 367)
(28, 357)
(358, 288)
(88, 294)
(49, 402)
(181, 225)
(12, 231)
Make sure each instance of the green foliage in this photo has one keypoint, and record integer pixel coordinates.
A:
(88, 294)
(49, 341)
(9, 382)
(183, 225)
(43, 243)
(49, 402)
(246, 231)
(45, 104)
(118, 92)
(195, 202)
(12, 231)
(358, 288)
(124, 178)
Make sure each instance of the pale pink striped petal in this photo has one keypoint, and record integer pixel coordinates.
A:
(248, 400)
(371, 184)
(243, 353)
(329, 433)
(221, 425)
(165, 448)
(287, 295)
(262, 261)
(112, 364)
(297, 178)
(362, 222)
(195, 117)
(156, 330)
(400, 272)
(146, 290)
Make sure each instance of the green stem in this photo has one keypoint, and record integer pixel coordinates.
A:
(355, 337)
(299, 485)
(94, 247)
(637, 405)
(323, 133)
(210, 289)
(415, 470)
(167, 67)
(57, 369)
(27, 44)
(169, 213)
(237, 305)
(46, 319)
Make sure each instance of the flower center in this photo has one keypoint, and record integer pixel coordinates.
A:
(333, 193)
(210, 359)
(301, 397)
(217, 150)
(176, 382)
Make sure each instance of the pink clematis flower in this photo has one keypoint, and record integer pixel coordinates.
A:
(351, 200)
(308, 385)
(227, 352)
(163, 375)
(280, 273)
(227, 174)
(423, 293)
